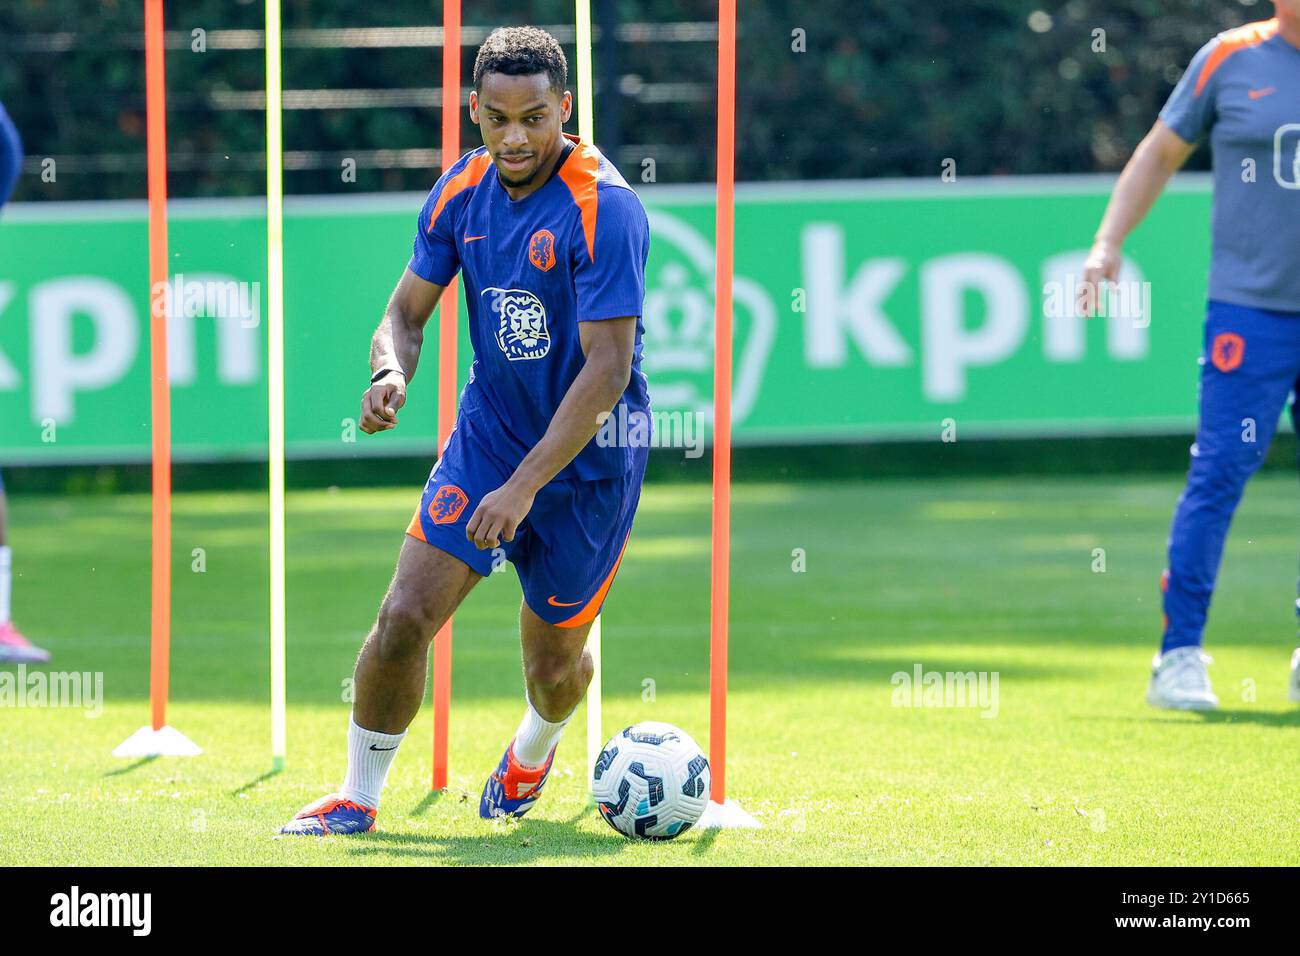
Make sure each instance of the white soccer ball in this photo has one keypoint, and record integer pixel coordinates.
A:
(652, 781)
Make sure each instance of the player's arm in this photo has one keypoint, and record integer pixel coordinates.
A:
(1187, 118)
(395, 346)
(1160, 154)
(609, 346)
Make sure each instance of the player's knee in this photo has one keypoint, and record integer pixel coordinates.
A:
(404, 628)
(545, 671)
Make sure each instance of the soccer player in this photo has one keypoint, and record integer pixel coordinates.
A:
(551, 244)
(1242, 92)
(14, 648)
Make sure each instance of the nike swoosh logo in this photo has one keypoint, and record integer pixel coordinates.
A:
(554, 603)
(1260, 94)
(373, 747)
(472, 238)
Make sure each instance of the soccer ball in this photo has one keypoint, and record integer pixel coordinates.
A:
(651, 781)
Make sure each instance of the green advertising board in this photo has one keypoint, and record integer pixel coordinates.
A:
(863, 310)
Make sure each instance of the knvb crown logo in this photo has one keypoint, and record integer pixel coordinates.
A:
(679, 324)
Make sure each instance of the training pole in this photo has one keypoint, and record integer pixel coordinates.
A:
(587, 133)
(448, 326)
(158, 739)
(275, 374)
(722, 812)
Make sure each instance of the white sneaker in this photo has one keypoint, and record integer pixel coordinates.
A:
(1293, 689)
(1179, 680)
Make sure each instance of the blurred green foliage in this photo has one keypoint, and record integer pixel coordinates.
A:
(878, 89)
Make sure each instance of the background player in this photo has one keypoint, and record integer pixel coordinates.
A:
(551, 244)
(14, 648)
(1242, 91)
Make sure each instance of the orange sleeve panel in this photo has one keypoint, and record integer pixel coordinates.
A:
(580, 175)
(467, 178)
(1231, 41)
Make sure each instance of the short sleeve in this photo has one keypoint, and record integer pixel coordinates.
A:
(1190, 110)
(434, 256)
(611, 283)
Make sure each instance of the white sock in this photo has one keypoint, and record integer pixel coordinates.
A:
(536, 736)
(370, 754)
(6, 579)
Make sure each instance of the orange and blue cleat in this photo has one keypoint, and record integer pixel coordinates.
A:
(331, 815)
(513, 788)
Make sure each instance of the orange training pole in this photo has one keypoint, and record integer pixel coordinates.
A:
(447, 330)
(156, 125)
(721, 569)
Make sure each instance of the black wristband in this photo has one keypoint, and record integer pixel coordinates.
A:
(384, 371)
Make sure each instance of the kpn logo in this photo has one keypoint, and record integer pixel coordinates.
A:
(1286, 156)
(679, 325)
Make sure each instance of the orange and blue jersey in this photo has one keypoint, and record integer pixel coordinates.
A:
(574, 250)
(1242, 91)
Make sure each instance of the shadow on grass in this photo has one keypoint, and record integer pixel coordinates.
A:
(254, 782)
(512, 844)
(704, 842)
(430, 798)
(1265, 718)
(1193, 718)
(130, 767)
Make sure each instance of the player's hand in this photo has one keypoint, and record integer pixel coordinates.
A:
(1100, 268)
(498, 516)
(380, 403)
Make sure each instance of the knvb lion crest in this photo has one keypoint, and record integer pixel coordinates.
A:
(447, 504)
(541, 249)
(521, 323)
(1227, 351)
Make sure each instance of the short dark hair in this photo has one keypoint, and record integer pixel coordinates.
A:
(521, 51)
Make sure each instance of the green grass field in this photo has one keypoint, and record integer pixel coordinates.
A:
(987, 575)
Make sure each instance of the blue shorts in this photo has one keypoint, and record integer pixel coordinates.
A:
(568, 548)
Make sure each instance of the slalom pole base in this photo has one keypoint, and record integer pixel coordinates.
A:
(727, 816)
(167, 742)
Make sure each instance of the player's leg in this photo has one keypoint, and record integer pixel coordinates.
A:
(389, 682)
(557, 671)
(577, 532)
(390, 676)
(14, 648)
(437, 568)
(1248, 368)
